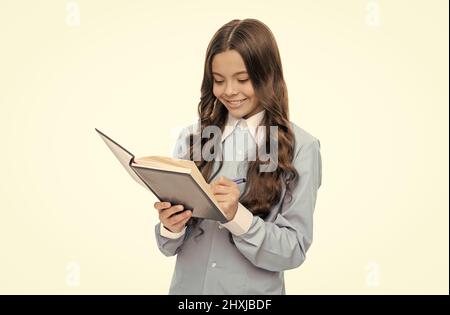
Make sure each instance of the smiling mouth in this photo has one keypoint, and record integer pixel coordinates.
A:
(236, 102)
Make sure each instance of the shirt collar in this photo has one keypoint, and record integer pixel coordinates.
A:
(250, 123)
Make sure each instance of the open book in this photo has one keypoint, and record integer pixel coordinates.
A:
(173, 180)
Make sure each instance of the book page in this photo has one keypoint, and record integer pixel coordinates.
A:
(152, 163)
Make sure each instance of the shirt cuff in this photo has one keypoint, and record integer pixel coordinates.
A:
(241, 222)
(166, 233)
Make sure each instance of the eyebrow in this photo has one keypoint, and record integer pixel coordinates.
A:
(240, 72)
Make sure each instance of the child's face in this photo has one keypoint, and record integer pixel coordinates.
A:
(232, 85)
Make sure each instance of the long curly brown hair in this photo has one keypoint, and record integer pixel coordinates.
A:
(256, 44)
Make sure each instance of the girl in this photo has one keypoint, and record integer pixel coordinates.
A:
(270, 225)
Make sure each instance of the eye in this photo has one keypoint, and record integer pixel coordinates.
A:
(218, 82)
(243, 81)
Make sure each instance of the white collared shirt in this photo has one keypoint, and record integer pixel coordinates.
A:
(250, 123)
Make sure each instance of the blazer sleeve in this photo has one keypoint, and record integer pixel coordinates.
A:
(282, 243)
(170, 246)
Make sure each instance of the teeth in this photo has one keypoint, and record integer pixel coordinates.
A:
(236, 102)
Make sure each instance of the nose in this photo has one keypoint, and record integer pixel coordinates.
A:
(230, 90)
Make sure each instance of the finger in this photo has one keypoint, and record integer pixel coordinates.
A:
(183, 221)
(181, 225)
(224, 181)
(221, 190)
(213, 184)
(177, 218)
(222, 198)
(166, 213)
(161, 205)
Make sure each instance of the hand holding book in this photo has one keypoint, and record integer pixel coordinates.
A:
(174, 218)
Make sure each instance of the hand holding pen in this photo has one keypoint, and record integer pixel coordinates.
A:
(227, 194)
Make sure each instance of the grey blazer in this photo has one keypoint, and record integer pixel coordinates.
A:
(254, 264)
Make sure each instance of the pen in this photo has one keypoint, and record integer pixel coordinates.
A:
(239, 180)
